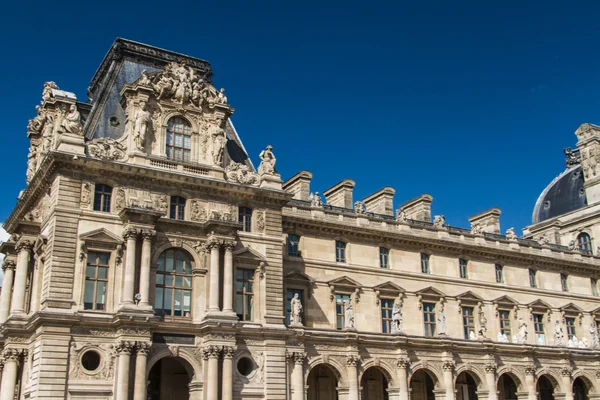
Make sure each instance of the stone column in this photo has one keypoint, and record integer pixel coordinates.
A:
(18, 297)
(147, 235)
(124, 350)
(227, 376)
(213, 304)
(131, 235)
(530, 382)
(298, 375)
(9, 375)
(7, 283)
(567, 383)
(139, 385)
(228, 278)
(490, 379)
(448, 368)
(352, 363)
(211, 354)
(401, 365)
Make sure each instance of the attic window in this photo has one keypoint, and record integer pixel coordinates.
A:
(547, 204)
(114, 122)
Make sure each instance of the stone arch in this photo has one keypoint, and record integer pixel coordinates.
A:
(587, 378)
(475, 373)
(177, 114)
(382, 366)
(158, 250)
(516, 376)
(552, 376)
(429, 370)
(192, 365)
(336, 367)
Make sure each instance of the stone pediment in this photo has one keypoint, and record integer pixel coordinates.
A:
(344, 282)
(248, 253)
(389, 287)
(430, 292)
(571, 308)
(505, 301)
(595, 311)
(469, 297)
(297, 276)
(539, 305)
(101, 236)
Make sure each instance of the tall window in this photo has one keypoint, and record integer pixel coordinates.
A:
(102, 195)
(584, 242)
(429, 318)
(468, 321)
(340, 310)
(387, 308)
(570, 323)
(292, 244)
(538, 326)
(96, 281)
(177, 210)
(384, 257)
(340, 251)
(594, 283)
(532, 278)
(174, 284)
(244, 294)
(424, 263)
(504, 316)
(499, 273)
(462, 268)
(245, 218)
(179, 139)
(564, 284)
(289, 296)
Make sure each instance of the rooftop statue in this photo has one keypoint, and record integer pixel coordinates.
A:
(267, 161)
(71, 122)
(141, 124)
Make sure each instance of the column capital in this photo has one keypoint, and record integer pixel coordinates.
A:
(228, 351)
(352, 361)
(566, 371)
(211, 351)
(8, 264)
(448, 366)
(125, 347)
(297, 357)
(402, 363)
(12, 355)
(131, 233)
(143, 347)
(229, 245)
(490, 368)
(24, 244)
(530, 370)
(147, 234)
(213, 243)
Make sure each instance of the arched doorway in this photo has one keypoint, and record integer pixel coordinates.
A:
(545, 388)
(422, 385)
(374, 385)
(580, 389)
(466, 387)
(507, 387)
(169, 379)
(322, 383)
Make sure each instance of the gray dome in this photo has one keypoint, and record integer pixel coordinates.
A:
(564, 194)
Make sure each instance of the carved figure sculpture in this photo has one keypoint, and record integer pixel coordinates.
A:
(472, 335)
(144, 79)
(510, 234)
(221, 98)
(31, 162)
(522, 331)
(477, 229)
(140, 126)
(583, 343)
(240, 173)
(439, 221)
(558, 334)
(315, 200)
(359, 207)
(348, 314)
(47, 92)
(296, 310)
(164, 86)
(218, 143)
(594, 334)
(401, 215)
(482, 325)
(441, 322)
(267, 161)
(397, 318)
(71, 123)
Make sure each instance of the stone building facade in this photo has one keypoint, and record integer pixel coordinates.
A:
(150, 259)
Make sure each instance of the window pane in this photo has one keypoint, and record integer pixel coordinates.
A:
(239, 304)
(88, 297)
(160, 279)
(168, 280)
(90, 272)
(179, 266)
(102, 273)
(187, 267)
(187, 281)
(169, 264)
(179, 281)
(168, 301)
(103, 258)
(187, 301)
(158, 299)
(100, 295)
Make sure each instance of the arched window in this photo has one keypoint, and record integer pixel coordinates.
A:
(177, 210)
(173, 295)
(102, 195)
(584, 242)
(179, 139)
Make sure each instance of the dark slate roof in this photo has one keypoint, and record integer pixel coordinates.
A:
(564, 194)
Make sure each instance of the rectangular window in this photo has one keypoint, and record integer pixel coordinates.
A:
(288, 304)
(292, 245)
(102, 196)
(462, 267)
(177, 210)
(96, 281)
(244, 294)
(424, 263)
(564, 283)
(504, 316)
(594, 283)
(429, 318)
(387, 308)
(245, 218)
(570, 323)
(173, 296)
(340, 251)
(532, 279)
(499, 273)
(468, 321)
(538, 326)
(384, 257)
(340, 310)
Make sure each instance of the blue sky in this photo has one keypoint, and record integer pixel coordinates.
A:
(469, 101)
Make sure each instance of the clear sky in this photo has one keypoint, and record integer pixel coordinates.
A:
(469, 101)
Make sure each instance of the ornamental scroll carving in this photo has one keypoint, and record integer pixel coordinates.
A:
(106, 149)
(240, 173)
(104, 371)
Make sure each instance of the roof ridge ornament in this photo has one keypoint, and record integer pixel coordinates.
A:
(573, 157)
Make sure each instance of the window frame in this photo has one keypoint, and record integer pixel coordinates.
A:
(499, 271)
(384, 257)
(463, 271)
(251, 279)
(177, 206)
(386, 311)
(570, 328)
(468, 321)
(564, 282)
(341, 248)
(245, 218)
(170, 149)
(96, 279)
(537, 332)
(502, 322)
(340, 318)
(584, 243)
(425, 263)
(293, 246)
(174, 287)
(105, 201)
(532, 278)
(429, 326)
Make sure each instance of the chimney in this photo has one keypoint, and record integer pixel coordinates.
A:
(340, 195)
(418, 209)
(588, 137)
(381, 202)
(488, 220)
(299, 185)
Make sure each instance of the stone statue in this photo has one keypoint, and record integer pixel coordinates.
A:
(522, 331)
(164, 86)
(482, 325)
(472, 335)
(218, 142)
(510, 234)
(315, 200)
(439, 221)
(594, 335)
(583, 343)
(572, 245)
(401, 215)
(558, 334)
(573, 342)
(349, 315)
(71, 123)
(267, 161)
(504, 338)
(144, 80)
(221, 98)
(31, 163)
(477, 229)
(441, 322)
(515, 339)
(397, 318)
(47, 92)
(359, 207)
(140, 127)
(296, 311)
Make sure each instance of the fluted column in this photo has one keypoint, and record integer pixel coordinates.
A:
(211, 354)
(227, 376)
(352, 364)
(490, 379)
(401, 365)
(124, 350)
(147, 235)
(11, 359)
(567, 383)
(141, 358)
(7, 284)
(530, 382)
(18, 297)
(298, 376)
(228, 278)
(213, 304)
(448, 368)
(131, 235)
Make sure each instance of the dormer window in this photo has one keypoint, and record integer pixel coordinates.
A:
(179, 140)
(584, 243)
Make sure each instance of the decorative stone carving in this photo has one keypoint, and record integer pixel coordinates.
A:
(86, 194)
(400, 215)
(510, 234)
(219, 139)
(348, 315)
(228, 351)
(71, 122)
(315, 200)
(448, 365)
(441, 321)
(211, 351)
(120, 199)
(477, 229)
(482, 324)
(296, 311)
(240, 173)
(594, 335)
(352, 361)
(106, 149)
(125, 347)
(402, 363)
(260, 221)
(47, 91)
(522, 331)
(142, 122)
(104, 371)
(198, 211)
(267, 162)
(572, 245)
(439, 221)
(143, 347)
(396, 328)
(162, 203)
(360, 208)
(558, 334)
